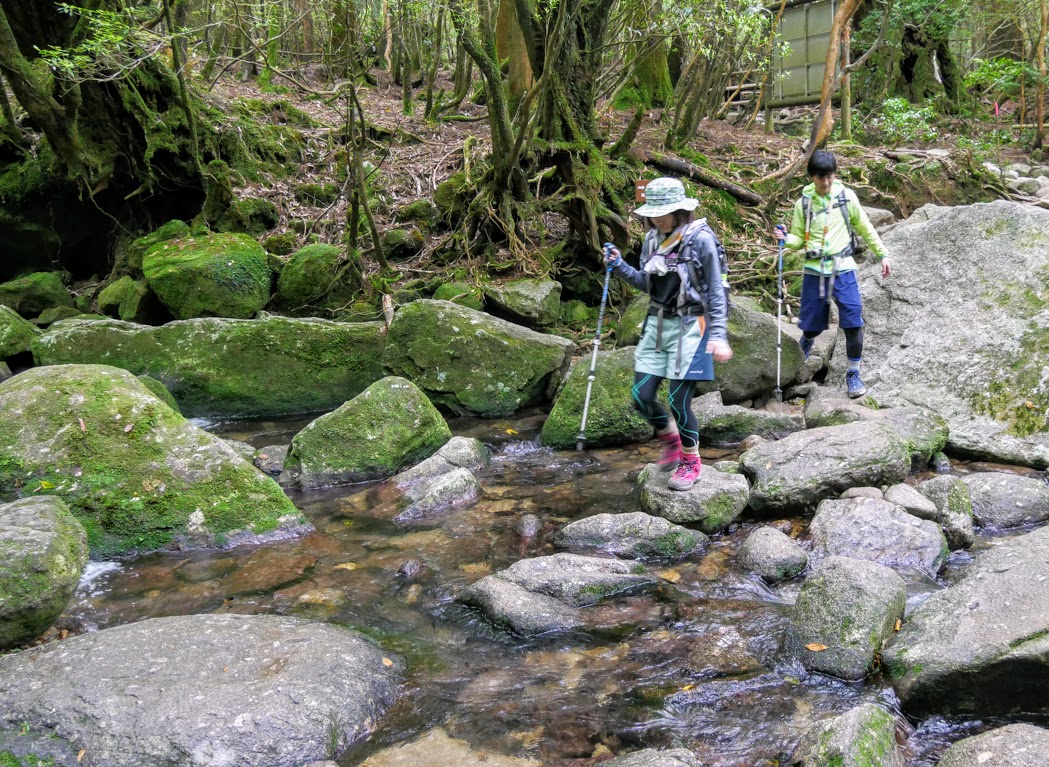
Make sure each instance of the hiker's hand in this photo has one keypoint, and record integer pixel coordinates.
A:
(886, 269)
(720, 349)
(779, 232)
(612, 255)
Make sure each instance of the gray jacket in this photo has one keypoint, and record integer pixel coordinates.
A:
(697, 244)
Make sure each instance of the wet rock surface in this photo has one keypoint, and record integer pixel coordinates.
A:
(251, 691)
(846, 609)
(1015, 745)
(862, 737)
(727, 425)
(1001, 500)
(954, 510)
(712, 504)
(982, 644)
(772, 555)
(633, 536)
(877, 531)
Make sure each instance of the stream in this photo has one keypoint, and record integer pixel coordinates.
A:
(694, 666)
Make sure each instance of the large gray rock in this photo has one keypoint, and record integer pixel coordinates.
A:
(534, 301)
(264, 367)
(43, 550)
(878, 531)
(728, 425)
(611, 419)
(992, 389)
(846, 609)
(16, 334)
(954, 509)
(829, 407)
(981, 646)
(797, 472)
(520, 610)
(388, 426)
(454, 490)
(862, 737)
(752, 370)
(457, 453)
(636, 535)
(1015, 745)
(138, 474)
(236, 690)
(712, 504)
(1001, 499)
(470, 362)
(772, 555)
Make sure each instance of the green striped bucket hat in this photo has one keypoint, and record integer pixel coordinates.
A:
(665, 195)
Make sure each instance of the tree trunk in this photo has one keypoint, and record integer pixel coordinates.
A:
(123, 150)
(1043, 35)
(928, 70)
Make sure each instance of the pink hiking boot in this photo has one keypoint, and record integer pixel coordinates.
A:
(687, 472)
(671, 450)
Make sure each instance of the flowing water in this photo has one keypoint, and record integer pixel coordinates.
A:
(696, 665)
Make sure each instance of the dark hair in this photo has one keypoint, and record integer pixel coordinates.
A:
(822, 163)
(680, 217)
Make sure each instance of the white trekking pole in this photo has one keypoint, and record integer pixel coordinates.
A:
(779, 321)
(581, 437)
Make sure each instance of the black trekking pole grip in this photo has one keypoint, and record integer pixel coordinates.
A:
(581, 437)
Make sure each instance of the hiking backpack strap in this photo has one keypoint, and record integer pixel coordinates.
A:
(844, 203)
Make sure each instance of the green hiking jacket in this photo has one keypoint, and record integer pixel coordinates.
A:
(825, 213)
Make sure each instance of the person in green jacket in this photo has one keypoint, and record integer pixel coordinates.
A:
(826, 219)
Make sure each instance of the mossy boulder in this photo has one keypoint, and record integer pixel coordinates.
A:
(460, 293)
(136, 251)
(421, 211)
(452, 197)
(54, 314)
(628, 331)
(281, 244)
(264, 367)
(862, 737)
(34, 293)
(317, 195)
(217, 275)
(253, 216)
(843, 614)
(160, 391)
(729, 425)
(532, 301)
(470, 362)
(317, 278)
(632, 536)
(135, 473)
(712, 504)
(131, 300)
(385, 428)
(43, 550)
(612, 418)
(402, 244)
(16, 333)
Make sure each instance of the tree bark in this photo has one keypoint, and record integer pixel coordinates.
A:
(1043, 35)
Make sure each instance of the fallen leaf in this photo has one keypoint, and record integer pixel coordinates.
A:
(512, 431)
(688, 687)
(46, 485)
(387, 662)
(899, 624)
(80, 756)
(476, 567)
(129, 427)
(347, 566)
(671, 576)
(816, 647)
(83, 426)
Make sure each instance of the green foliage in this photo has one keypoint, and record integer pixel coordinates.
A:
(111, 43)
(899, 122)
(1000, 78)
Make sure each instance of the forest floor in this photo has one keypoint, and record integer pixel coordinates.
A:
(412, 156)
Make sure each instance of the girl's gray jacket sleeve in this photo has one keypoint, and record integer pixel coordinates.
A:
(636, 278)
(716, 303)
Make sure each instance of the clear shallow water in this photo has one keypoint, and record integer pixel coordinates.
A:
(695, 665)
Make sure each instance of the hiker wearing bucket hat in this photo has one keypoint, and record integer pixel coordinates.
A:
(686, 329)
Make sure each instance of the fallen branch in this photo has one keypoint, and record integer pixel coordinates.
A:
(694, 172)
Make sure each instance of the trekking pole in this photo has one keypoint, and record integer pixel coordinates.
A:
(779, 321)
(581, 437)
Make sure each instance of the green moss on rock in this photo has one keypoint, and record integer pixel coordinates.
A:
(318, 278)
(421, 211)
(281, 244)
(460, 293)
(402, 244)
(172, 230)
(385, 428)
(317, 195)
(132, 470)
(264, 367)
(35, 293)
(16, 333)
(218, 275)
